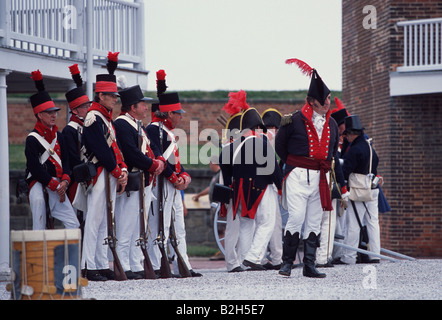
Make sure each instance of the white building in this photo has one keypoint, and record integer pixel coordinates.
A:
(51, 35)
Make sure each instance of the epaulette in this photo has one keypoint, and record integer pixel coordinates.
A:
(90, 119)
(287, 118)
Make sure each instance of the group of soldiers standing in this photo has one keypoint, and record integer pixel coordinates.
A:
(318, 149)
(97, 165)
(100, 167)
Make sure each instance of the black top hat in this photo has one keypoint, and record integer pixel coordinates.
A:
(132, 95)
(170, 101)
(272, 118)
(318, 89)
(251, 119)
(353, 124)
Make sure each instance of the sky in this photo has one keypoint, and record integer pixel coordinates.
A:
(242, 44)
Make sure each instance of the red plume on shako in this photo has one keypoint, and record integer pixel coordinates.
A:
(41, 101)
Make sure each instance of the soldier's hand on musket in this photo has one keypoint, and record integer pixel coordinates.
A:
(122, 182)
(180, 184)
(187, 181)
(61, 190)
(160, 167)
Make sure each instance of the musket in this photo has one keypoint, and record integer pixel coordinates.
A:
(49, 218)
(182, 266)
(339, 244)
(111, 240)
(161, 239)
(149, 273)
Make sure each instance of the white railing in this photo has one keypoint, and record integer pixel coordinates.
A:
(422, 45)
(60, 28)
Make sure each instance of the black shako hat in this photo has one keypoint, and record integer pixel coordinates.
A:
(318, 88)
(352, 124)
(170, 101)
(251, 118)
(41, 101)
(271, 118)
(76, 97)
(132, 95)
(107, 83)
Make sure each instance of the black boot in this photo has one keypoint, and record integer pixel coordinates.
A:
(310, 245)
(289, 249)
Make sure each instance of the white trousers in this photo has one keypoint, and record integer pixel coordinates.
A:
(341, 229)
(255, 233)
(95, 252)
(275, 243)
(127, 220)
(62, 211)
(231, 240)
(173, 208)
(303, 202)
(369, 216)
(328, 226)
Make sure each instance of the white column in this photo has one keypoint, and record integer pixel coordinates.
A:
(141, 36)
(89, 48)
(4, 173)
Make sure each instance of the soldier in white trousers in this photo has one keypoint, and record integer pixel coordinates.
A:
(175, 178)
(361, 158)
(47, 163)
(249, 165)
(307, 142)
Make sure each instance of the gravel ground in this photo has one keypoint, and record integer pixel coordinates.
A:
(405, 280)
(416, 280)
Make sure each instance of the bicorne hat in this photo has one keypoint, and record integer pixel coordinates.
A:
(271, 118)
(250, 119)
(317, 89)
(340, 112)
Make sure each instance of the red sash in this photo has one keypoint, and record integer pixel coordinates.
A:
(323, 166)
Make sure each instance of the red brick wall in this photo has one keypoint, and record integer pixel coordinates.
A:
(406, 130)
(21, 119)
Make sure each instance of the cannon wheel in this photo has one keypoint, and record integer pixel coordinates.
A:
(217, 222)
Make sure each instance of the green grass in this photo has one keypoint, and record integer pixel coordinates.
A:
(201, 251)
(17, 159)
(217, 94)
(191, 156)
